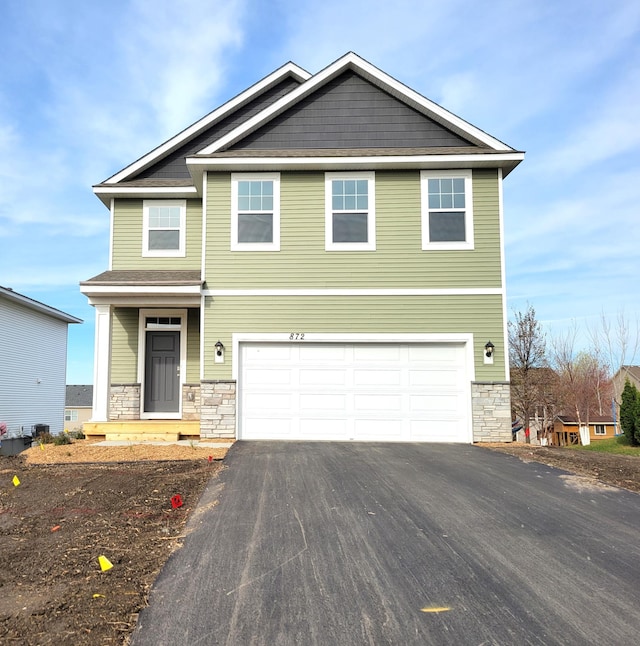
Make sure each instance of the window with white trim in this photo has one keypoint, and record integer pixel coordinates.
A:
(447, 209)
(600, 429)
(70, 415)
(350, 219)
(255, 212)
(164, 225)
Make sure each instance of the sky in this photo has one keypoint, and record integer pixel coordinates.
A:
(86, 88)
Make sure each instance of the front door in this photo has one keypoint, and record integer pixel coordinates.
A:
(162, 372)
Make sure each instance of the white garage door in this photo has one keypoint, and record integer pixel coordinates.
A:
(372, 392)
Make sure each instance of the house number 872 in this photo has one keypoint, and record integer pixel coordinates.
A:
(296, 336)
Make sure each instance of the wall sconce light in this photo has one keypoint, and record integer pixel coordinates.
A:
(219, 348)
(488, 349)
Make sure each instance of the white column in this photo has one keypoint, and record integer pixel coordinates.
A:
(101, 364)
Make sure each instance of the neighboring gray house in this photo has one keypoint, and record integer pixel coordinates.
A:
(33, 360)
(78, 406)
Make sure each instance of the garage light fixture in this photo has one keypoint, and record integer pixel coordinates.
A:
(219, 348)
(488, 349)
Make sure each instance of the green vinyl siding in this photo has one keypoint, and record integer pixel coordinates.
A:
(397, 262)
(477, 315)
(193, 346)
(127, 238)
(124, 346)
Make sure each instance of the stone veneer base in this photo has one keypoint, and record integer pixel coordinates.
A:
(491, 411)
(218, 409)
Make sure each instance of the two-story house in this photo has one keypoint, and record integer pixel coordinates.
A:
(319, 258)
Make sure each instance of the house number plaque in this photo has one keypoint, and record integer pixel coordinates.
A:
(296, 336)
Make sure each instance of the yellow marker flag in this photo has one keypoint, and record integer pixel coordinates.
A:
(436, 609)
(42, 445)
(105, 563)
(16, 481)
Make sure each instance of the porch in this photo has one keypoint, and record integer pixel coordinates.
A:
(143, 430)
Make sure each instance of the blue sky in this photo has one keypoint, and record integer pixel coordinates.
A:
(88, 87)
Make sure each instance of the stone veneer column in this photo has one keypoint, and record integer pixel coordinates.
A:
(491, 410)
(191, 401)
(124, 401)
(218, 409)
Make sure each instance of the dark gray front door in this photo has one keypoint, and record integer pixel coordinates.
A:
(162, 372)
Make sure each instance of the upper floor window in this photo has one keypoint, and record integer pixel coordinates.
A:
(255, 212)
(447, 209)
(350, 220)
(164, 224)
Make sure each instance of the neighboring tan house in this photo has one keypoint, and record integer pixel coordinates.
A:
(78, 403)
(33, 347)
(319, 258)
(566, 429)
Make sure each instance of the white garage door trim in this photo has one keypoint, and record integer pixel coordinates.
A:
(365, 423)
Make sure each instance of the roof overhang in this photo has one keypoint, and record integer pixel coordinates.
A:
(198, 164)
(106, 192)
(36, 306)
(144, 288)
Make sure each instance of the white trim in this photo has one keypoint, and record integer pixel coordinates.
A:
(143, 192)
(378, 78)
(142, 351)
(169, 290)
(203, 250)
(467, 176)
(329, 244)
(112, 219)
(370, 337)
(181, 251)
(503, 279)
(101, 364)
(371, 162)
(202, 336)
(228, 107)
(274, 245)
(454, 291)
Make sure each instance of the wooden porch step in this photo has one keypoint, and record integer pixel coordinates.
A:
(143, 430)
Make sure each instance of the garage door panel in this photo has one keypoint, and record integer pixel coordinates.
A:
(434, 403)
(323, 402)
(342, 391)
(273, 376)
(376, 353)
(376, 377)
(378, 402)
(328, 429)
(321, 377)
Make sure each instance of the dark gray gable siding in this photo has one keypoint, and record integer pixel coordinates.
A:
(173, 166)
(350, 112)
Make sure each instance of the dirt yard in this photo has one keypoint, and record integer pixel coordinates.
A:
(76, 503)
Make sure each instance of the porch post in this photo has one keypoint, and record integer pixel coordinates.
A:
(101, 362)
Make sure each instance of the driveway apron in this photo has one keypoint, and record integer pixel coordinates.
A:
(360, 543)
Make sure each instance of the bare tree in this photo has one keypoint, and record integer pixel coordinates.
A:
(584, 384)
(527, 355)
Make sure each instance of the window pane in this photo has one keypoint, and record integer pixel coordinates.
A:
(434, 187)
(243, 203)
(350, 227)
(458, 185)
(362, 186)
(255, 227)
(458, 201)
(256, 188)
(267, 188)
(338, 188)
(267, 203)
(243, 188)
(349, 187)
(350, 202)
(434, 201)
(167, 240)
(446, 201)
(337, 203)
(255, 203)
(446, 186)
(446, 226)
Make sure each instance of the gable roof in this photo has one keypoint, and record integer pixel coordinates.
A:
(10, 295)
(571, 420)
(288, 71)
(378, 78)
(79, 397)
(630, 371)
(368, 120)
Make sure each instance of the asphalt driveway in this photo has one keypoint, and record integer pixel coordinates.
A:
(349, 544)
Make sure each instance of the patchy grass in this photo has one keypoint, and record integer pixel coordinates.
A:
(618, 445)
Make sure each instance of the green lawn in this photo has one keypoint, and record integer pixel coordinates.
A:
(618, 445)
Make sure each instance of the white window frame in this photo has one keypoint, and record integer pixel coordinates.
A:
(468, 242)
(274, 245)
(71, 415)
(597, 427)
(180, 252)
(329, 244)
